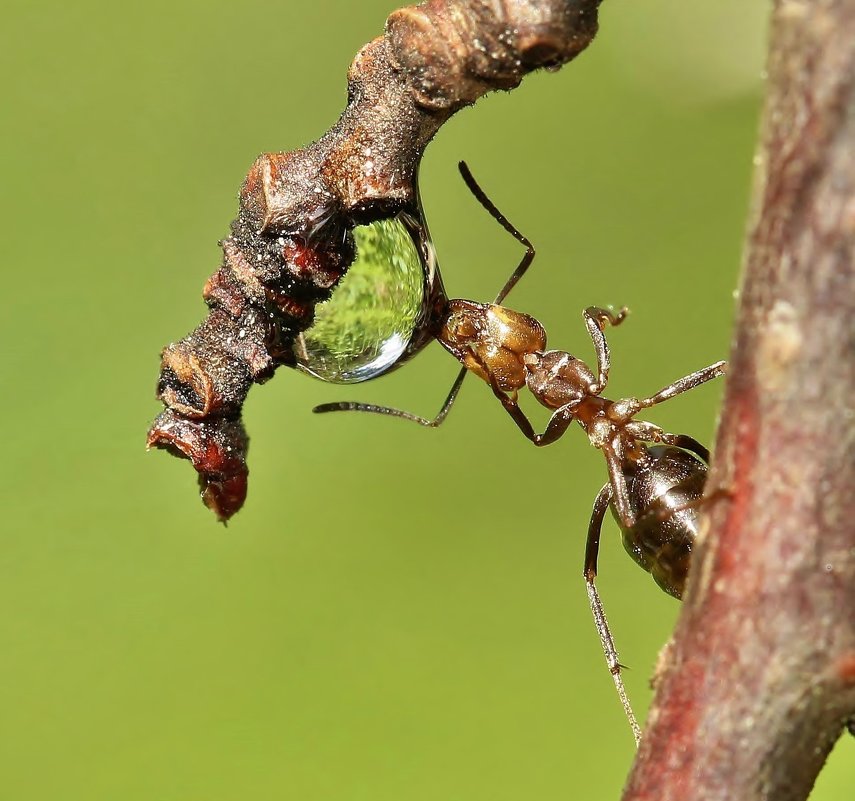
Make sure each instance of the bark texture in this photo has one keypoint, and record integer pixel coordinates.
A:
(759, 681)
(291, 242)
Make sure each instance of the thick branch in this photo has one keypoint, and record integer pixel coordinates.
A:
(760, 679)
(291, 242)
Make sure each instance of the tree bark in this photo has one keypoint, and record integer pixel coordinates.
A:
(759, 680)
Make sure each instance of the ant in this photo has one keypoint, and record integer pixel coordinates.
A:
(654, 491)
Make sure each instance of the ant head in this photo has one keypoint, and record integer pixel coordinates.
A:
(491, 340)
(462, 324)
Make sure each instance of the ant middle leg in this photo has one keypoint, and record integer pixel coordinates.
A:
(555, 428)
(623, 410)
(592, 548)
(684, 384)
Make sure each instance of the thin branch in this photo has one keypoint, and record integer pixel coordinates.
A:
(290, 244)
(760, 679)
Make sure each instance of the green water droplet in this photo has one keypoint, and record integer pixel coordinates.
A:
(377, 314)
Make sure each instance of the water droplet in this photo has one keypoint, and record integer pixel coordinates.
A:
(380, 313)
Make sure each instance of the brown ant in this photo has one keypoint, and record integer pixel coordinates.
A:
(654, 491)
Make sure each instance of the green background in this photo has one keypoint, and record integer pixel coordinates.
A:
(397, 613)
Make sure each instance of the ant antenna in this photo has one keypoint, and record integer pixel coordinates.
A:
(500, 218)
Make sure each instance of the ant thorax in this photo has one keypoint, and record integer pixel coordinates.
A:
(605, 433)
(557, 378)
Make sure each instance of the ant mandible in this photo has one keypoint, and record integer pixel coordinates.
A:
(654, 491)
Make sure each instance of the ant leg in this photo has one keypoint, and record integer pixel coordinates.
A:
(517, 414)
(623, 410)
(687, 443)
(596, 320)
(641, 429)
(620, 492)
(500, 218)
(351, 406)
(649, 432)
(606, 640)
(592, 546)
(699, 503)
(684, 384)
(513, 409)
(556, 426)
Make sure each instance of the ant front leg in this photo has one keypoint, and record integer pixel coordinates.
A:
(596, 320)
(513, 409)
(557, 425)
(606, 640)
(555, 428)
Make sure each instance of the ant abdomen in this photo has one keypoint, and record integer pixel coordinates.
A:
(665, 492)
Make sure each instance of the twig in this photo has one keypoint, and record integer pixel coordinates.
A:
(290, 244)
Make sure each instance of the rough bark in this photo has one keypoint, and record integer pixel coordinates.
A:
(290, 244)
(759, 681)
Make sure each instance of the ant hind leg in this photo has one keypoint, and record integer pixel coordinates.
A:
(601, 504)
(687, 443)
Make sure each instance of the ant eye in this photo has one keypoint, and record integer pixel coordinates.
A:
(380, 313)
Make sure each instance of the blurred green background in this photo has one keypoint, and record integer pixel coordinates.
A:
(397, 613)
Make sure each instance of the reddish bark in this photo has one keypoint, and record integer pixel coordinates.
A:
(759, 680)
